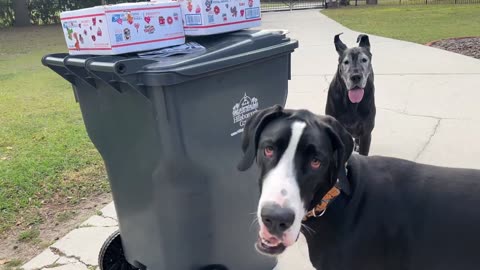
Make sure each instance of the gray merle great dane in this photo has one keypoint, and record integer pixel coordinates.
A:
(351, 97)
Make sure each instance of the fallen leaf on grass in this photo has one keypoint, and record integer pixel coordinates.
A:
(3, 262)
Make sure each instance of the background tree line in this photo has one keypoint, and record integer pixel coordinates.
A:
(37, 12)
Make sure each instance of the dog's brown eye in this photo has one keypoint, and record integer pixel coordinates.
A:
(268, 151)
(315, 163)
(364, 60)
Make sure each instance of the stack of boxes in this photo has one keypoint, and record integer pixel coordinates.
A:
(135, 27)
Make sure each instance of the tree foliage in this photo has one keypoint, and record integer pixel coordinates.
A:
(48, 11)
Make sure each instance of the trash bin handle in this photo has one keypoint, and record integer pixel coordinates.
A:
(54, 60)
(55, 63)
(100, 66)
(76, 66)
(112, 70)
(103, 63)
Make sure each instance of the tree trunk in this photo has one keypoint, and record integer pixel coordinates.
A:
(22, 14)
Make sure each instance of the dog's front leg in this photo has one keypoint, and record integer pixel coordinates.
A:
(365, 144)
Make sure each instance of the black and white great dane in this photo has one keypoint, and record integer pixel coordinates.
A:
(357, 212)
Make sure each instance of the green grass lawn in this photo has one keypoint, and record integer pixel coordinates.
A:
(46, 158)
(419, 24)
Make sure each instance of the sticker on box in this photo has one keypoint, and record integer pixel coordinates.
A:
(193, 19)
(251, 13)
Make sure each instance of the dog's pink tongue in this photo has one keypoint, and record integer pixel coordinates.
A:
(355, 95)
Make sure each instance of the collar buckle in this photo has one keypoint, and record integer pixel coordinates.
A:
(315, 215)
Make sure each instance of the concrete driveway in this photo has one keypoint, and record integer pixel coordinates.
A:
(428, 111)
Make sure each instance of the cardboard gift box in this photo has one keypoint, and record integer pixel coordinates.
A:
(123, 28)
(208, 17)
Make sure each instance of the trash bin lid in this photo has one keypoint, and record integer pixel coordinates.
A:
(221, 52)
(226, 45)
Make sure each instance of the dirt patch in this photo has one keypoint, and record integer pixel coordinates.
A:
(469, 46)
(38, 228)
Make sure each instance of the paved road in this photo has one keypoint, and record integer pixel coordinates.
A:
(428, 111)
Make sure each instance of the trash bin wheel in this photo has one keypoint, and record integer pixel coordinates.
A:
(111, 255)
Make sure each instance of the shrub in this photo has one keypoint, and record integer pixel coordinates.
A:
(6, 13)
(48, 11)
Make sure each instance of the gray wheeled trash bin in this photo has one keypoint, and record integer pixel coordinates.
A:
(169, 132)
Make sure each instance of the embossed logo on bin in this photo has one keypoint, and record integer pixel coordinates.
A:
(242, 111)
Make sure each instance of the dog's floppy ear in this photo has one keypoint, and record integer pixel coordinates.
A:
(339, 45)
(343, 147)
(363, 41)
(251, 133)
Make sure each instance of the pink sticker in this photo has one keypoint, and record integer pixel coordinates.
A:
(161, 20)
(150, 29)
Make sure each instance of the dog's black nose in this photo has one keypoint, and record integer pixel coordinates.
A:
(356, 78)
(277, 219)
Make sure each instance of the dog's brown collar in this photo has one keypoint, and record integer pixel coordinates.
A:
(320, 208)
